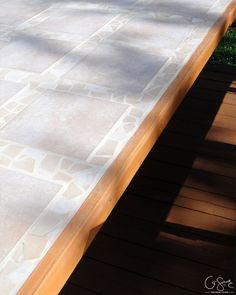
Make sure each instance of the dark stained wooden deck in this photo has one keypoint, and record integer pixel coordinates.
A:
(176, 223)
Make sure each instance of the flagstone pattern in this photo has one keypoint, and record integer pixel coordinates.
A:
(77, 78)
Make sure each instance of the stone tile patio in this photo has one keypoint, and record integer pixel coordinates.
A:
(77, 78)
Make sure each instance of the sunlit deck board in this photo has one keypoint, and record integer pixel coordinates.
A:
(172, 228)
(86, 89)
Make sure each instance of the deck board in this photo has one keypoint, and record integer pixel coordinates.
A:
(166, 192)
(144, 233)
(198, 161)
(123, 279)
(153, 264)
(176, 222)
(213, 95)
(194, 178)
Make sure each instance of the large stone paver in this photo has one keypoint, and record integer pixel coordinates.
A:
(23, 198)
(29, 53)
(63, 123)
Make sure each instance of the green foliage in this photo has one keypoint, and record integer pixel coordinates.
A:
(225, 53)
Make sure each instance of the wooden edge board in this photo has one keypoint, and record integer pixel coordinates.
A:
(57, 265)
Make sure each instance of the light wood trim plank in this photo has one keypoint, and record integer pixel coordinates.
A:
(59, 262)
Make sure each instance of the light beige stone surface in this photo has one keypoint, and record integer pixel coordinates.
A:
(63, 123)
(75, 21)
(8, 89)
(30, 53)
(77, 79)
(14, 12)
(22, 200)
(118, 66)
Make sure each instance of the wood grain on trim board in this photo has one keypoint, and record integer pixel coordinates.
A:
(59, 262)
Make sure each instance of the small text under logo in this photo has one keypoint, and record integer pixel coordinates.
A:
(218, 285)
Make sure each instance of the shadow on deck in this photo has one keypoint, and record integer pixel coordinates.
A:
(175, 225)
